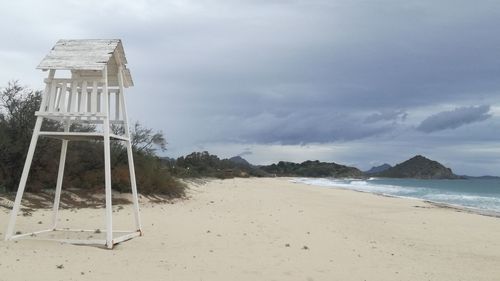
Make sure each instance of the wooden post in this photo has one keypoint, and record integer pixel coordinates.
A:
(29, 159)
(24, 178)
(107, 164)
(83, 98)
(130, 155)
(60, 175)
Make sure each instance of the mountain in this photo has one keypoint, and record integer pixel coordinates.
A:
(419, 167)
(312, 169)
(240, 161)
(203, 164)
(378, 169)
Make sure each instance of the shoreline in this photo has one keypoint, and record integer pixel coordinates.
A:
(456, 207)
(122, 198)
(443, 205)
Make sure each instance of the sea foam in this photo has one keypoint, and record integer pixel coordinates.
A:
(474, 194)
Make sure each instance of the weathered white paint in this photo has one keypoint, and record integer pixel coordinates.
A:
(60, 174)
(107, 167)
(89, 55)
(130, 157)
(125, 235)
(24, 178)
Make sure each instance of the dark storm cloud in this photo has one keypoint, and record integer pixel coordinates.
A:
(454, 118)
(278, 61)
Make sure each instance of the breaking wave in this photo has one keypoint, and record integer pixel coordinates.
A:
(475, 194)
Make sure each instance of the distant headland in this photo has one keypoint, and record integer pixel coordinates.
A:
(418, 167)
(204, 164)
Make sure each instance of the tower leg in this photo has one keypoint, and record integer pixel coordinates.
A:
(24, 178)
(133, 184)
(107, 176)
(60, 175)
(107, 164)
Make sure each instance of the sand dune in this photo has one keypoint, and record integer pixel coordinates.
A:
(268, 229)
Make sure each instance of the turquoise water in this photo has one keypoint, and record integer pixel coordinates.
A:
(479, 194)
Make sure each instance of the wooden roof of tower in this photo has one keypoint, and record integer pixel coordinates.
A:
(89, 55)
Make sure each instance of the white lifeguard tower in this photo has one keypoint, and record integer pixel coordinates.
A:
(93, 94)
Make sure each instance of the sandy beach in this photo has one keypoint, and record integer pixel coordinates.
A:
(267, 229)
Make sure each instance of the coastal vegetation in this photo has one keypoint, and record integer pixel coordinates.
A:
(312, 169)
(84, 161)
(204, 164)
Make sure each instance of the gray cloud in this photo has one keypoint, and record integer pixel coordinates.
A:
(246, 152)
(301, 127)
(392, 115)
(454, 118)
(282, 72)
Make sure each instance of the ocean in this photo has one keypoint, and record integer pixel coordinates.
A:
(476, 194)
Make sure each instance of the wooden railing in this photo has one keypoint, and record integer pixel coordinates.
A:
(79, 100)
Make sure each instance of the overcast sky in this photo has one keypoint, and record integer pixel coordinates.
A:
(350, 81)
